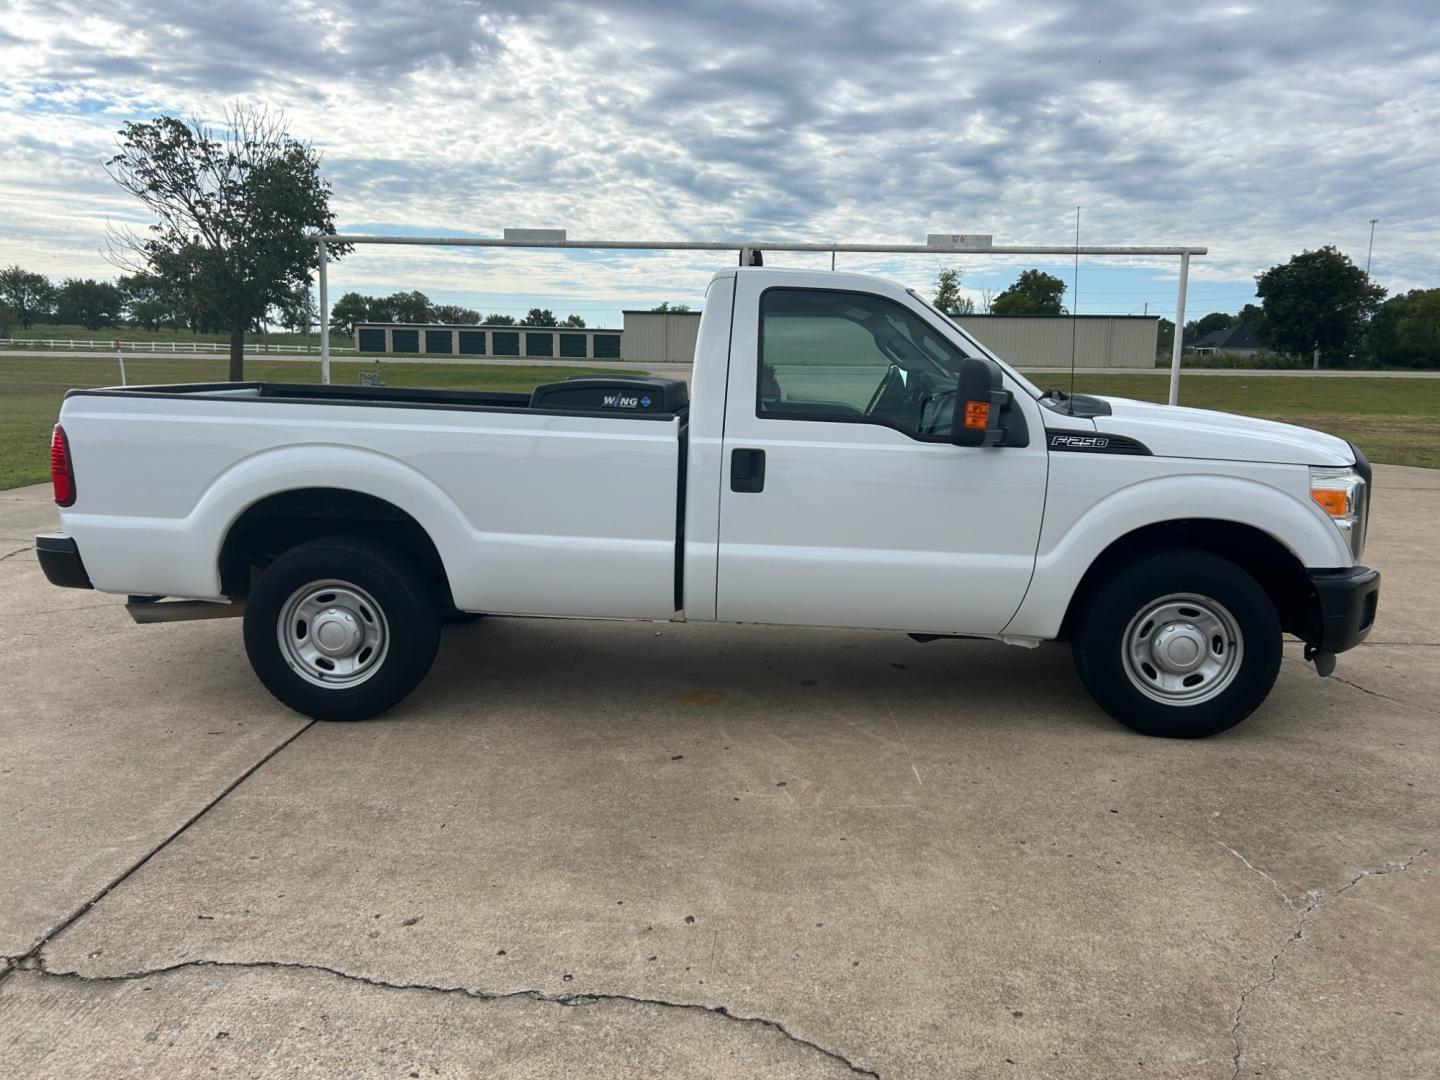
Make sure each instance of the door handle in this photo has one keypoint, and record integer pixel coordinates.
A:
(747, 470)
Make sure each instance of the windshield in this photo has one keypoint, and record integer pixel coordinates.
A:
(1033, 390)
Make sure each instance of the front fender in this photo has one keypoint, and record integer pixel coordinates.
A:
(1068, 549)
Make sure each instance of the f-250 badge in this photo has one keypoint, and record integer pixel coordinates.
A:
(1079, 442)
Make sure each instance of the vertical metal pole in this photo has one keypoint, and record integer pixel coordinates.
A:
(1178, 344)
(324, 315)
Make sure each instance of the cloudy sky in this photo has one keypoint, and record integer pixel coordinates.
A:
(1256, 129)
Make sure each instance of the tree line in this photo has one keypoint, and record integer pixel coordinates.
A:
(140, 300)
(150, 302)
(415, 307)
(1316, 301)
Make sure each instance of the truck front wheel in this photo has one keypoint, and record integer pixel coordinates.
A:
(1180, 644)
(341, 628)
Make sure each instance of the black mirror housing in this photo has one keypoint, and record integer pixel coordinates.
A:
(979, 401)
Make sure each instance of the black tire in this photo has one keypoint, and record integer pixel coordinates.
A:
(408, 619)
(1111, 619)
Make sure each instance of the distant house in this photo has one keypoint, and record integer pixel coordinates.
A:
(1237, 339)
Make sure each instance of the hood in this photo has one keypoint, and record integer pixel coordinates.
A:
(1173, 431)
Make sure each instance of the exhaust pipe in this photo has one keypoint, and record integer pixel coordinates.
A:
(155, 609)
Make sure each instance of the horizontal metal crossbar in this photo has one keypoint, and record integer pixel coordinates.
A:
(755, 245)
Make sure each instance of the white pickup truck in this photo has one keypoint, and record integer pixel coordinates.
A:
(845, 457)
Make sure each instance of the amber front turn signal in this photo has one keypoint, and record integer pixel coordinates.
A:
(977, 415)
(1333, 502)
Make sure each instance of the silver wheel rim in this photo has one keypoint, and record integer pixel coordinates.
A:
(333, 634)
(1182, 649)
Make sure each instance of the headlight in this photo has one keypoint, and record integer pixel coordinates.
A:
(1340, 492)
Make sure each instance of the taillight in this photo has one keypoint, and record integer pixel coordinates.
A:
(62, 469)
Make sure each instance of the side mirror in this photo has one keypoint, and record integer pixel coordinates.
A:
(979, 401)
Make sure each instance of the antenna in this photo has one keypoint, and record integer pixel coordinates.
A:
(1075, 301)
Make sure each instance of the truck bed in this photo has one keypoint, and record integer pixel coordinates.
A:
(537, 503)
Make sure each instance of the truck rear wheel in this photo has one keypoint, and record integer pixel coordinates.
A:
(341, 628)
(1180, 644)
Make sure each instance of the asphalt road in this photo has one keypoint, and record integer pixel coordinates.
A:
(612, 850)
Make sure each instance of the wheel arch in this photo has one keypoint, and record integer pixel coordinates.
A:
(1261, 555)
(282, 520)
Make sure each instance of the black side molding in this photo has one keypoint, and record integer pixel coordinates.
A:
(60, 559)
(1094, 442)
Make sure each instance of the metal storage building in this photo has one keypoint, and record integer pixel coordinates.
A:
(1100, 341)
(480, 342)
(659, 337)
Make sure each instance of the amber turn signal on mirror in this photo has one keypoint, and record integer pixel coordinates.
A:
(977, 415)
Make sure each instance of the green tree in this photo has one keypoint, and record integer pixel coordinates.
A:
(1253, 316)
(454, 314)
(350, 309)
(665, 305)
(380, 309)
(1317, 299)
(147, 301)
(499, 320)
(947, 293)
(297, 311)
(88, 303)
(1165, 338)
(1034, 293)
(539, 317)
(1208, 324)
(234, 209)
(1406, 330)
(407, 307)
(8, 319)
(28, 294)
(575, 321)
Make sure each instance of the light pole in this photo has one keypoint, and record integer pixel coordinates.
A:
(1371, 248)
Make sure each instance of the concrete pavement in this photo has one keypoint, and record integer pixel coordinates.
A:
(688, 851)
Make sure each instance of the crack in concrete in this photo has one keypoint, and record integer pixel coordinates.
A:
(32, 959)
(1317, 898)
(563, 1000)
(17, 551)
(1284, 896)
(1347, 682)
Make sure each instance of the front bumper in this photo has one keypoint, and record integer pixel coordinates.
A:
(60, 559)
(1343, 608)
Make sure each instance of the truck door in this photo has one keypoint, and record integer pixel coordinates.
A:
(842, 501)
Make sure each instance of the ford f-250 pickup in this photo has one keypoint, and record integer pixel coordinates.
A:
(845, 456)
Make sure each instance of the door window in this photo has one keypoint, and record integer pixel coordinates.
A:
(853, 357)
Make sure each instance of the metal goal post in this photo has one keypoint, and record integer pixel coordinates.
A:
(935, 244)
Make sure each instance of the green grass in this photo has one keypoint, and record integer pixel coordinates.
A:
(1395, 421)
(31, 389)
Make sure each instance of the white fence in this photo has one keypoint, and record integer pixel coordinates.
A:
(97, 345)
